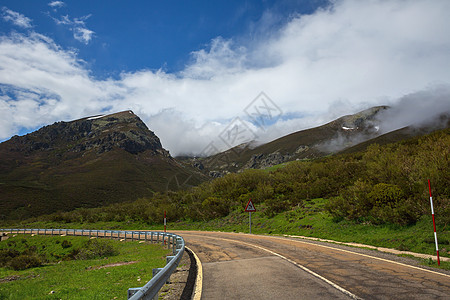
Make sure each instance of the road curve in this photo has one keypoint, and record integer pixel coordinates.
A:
(243, 266)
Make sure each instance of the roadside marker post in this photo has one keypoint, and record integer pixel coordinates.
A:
(434, 224)
(250, 208)
(164, 227)
(164, 221)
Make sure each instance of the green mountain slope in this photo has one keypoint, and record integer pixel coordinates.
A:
(85, 163)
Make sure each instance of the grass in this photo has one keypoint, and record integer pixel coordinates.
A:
(311, 220)
(79, 279)
(307, 220)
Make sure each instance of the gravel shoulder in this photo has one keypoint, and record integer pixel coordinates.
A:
(181, 283)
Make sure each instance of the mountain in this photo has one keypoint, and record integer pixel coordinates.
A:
(88, 162)
(346, 134)
(443, 121)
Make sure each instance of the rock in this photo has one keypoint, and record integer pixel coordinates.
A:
(262, 161)
(122, 130)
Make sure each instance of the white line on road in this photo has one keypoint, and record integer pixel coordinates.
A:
(366, 255)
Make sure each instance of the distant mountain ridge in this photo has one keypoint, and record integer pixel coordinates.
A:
(342, 134)
(85, 163)
(105, 159)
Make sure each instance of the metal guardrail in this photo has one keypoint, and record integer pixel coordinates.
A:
(160, 275)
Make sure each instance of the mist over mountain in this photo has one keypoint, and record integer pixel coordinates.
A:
(349, 133)
(430, 107)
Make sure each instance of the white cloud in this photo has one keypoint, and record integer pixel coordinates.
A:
(83, 35)
(336, 61)
(78, 27)
(422, 107)
(56, 4)
(16, 18)
(222, 57)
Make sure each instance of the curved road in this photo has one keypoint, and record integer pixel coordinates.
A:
(242, 266)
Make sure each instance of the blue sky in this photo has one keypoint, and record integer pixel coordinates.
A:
(190, 69)
(124, 36)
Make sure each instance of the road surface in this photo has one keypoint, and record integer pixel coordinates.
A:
(243, 266)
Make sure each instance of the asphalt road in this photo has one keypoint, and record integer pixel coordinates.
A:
(242, 266)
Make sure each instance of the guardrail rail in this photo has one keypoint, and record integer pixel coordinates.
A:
(160, 275)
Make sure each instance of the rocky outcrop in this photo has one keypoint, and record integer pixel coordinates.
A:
(122, 130)
(262, 161)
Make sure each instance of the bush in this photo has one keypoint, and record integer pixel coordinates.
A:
(25, 261)
(382, 203)
(276, 205)
(95, 249)
(66, 244)
(6, 255)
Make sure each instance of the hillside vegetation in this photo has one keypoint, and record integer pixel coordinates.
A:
(383, 185)
(89, 162)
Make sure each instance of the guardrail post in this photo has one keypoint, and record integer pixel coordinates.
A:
(179, 242)
(146, 236)
(132, 291)
(156, 271)
(168, 259)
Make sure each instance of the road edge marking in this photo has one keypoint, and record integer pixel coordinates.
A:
(198, 286)
(358, 245)
(365, 255)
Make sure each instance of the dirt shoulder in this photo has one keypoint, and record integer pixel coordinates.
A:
(181, 283)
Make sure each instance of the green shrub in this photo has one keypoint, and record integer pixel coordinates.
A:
(25, 261)
(6, 255)
(66, 244)
(383, 194)
(276, 205)
(95, 248)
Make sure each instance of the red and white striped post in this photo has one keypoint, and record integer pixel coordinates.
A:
(434, 224)
(164, 221)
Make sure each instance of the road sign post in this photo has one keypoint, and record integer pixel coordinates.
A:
(250, 222)
(250, 208)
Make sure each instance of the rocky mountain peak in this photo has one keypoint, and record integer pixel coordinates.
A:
(101, 133)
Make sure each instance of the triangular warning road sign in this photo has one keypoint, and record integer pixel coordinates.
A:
(250, 207)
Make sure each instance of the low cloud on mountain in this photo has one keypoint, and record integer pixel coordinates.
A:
(341, 59)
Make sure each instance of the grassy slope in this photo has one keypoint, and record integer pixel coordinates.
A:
(116, 177)
(312, 221)
(81, 279)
